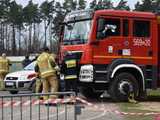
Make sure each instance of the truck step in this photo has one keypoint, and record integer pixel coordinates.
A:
(148, 79)
(101, 72)
(148, 70)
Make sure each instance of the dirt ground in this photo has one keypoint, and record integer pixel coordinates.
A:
(150, 106)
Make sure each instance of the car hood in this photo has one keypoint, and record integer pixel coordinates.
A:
(20, 73)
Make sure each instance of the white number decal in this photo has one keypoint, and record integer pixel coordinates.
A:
(141, 42)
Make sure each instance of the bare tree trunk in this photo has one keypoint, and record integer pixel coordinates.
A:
(6, 37)
(50, 37)
(9, 38)
(30, 39)
(1, 38)
(34, 37)
(3, 48)
(45, 31)
(38, 38)
(13, 41)
(2, 41)
(26, 44)
(19, 42)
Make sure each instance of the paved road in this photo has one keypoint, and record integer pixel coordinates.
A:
(62, 112)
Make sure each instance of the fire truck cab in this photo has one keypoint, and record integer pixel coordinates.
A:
(117, 51)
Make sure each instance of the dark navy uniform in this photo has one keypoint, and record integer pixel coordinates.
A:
(70, 71)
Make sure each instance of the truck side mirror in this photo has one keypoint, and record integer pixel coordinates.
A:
(101, 24)
(69, 27)
(100, 28)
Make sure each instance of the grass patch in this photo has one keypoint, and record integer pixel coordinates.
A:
(153, 99)
(133, 108)
(154, 93)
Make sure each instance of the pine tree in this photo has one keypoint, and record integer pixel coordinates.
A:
(156, 5)
(107, 4)
(99, 5)
(146, 5)
(47, 10)
(103, 4)
(31, 15)
(92, 4)
(4, 10)
(82, 4)
(122, 5)
(69, 5)
(16, 20)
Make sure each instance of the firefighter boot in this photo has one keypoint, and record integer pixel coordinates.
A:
(38, 85)
(131, 98)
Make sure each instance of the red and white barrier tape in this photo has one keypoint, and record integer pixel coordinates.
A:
(36, 102)
(70, 100)
(116, 111)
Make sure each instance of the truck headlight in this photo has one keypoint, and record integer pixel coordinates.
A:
(86, 73)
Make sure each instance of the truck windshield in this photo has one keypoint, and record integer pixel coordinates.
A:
(77, 32)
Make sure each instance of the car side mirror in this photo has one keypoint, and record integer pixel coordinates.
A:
(69, 27)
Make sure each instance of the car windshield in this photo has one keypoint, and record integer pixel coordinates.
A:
(77, 32)
(30, 66)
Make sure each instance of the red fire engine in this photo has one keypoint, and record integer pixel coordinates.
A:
(117, 51)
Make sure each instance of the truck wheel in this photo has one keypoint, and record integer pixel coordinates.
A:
(90, 93)
(13, 92)
(121, 85)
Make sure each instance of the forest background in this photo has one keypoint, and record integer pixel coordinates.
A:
(26, 29)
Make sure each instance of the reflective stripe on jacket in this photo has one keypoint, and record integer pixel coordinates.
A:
(44, 62)
(4, 65)
(67, 77)
(71, 63)
(70, 69)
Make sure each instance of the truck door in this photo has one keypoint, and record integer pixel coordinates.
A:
(112, 41)
(142, 49)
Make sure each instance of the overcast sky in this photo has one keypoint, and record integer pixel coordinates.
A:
(130, 2)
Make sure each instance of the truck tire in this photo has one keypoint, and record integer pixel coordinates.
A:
(120, 86)
(88, 92)
(13, 92)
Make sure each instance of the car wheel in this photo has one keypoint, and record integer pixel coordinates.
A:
(13, 92)
(121, 85)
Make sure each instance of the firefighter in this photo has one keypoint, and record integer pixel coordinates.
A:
(131, 94)
(131, 98)
(4, 69)
(70, 71)
(38, 88)
(38, 81)
(46, 66)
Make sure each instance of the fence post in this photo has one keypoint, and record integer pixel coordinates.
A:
(10, 102)
(75, 111)
(2, 109)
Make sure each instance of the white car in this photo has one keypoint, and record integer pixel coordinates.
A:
(21, 80)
